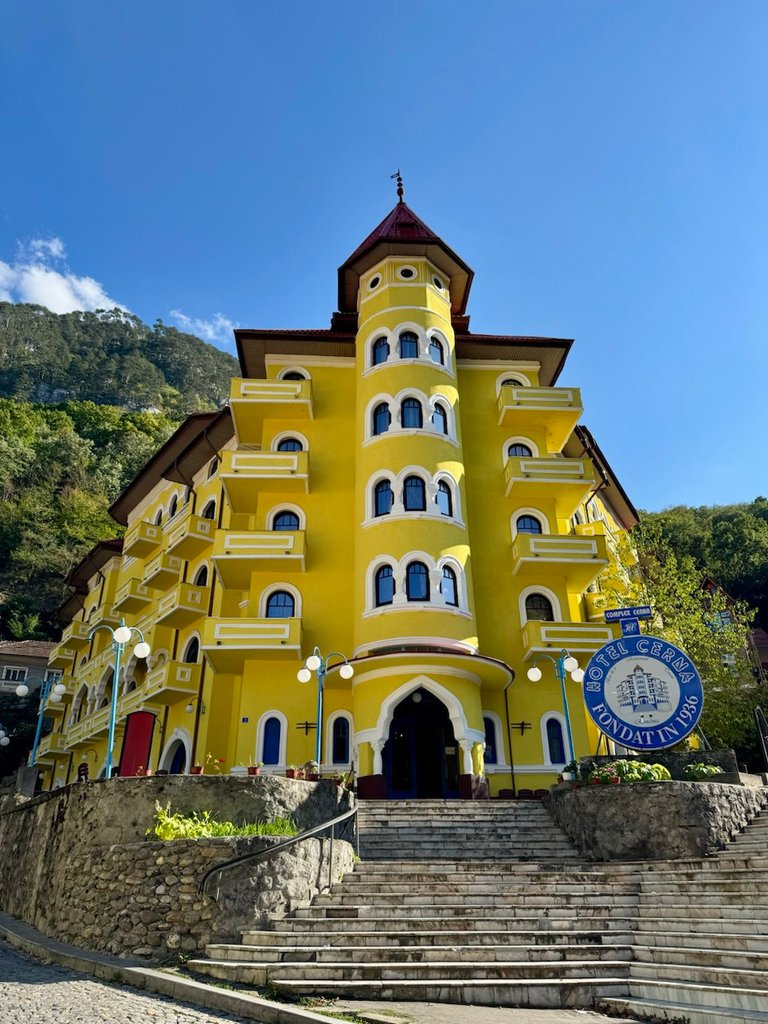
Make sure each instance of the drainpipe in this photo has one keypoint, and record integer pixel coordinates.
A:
(509, 733)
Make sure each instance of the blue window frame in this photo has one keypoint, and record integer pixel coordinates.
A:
(380, 351)
(382, 418)
(436, 353)
(520, 451)
(449, 587)
(271, 742)
(528, 524)
(340, 741)
(414, 494)
(555, 741)
(444, 499)
(384, 584)
(440, 419)
(417, 582)
(411, 413)
(285, 521)
(290, 444)
(538, 608)
(280, 605)
(382, 498)
(409, 345)
(491, 755)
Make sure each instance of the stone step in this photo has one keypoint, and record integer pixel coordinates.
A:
(479, 866)
(380, 912)
(723, 910)
(427, 939)
(702, 888)
(361, 900)
(578, 919)
(436, 973)
(554, 951)
(709, 956)
(741, 923)
(659, 1009)
(721, 997)
(715, 941)
(699, 974)
(479, 889)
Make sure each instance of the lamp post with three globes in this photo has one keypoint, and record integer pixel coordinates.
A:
(49, 688)
(318, 664)
(563, 664)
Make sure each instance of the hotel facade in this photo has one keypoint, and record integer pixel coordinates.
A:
(413, 497)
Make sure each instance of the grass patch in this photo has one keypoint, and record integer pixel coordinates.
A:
(169, 826)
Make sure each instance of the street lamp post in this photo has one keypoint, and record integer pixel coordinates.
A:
(48, 688)
(318, 664)
(120, 637)
(563, 664)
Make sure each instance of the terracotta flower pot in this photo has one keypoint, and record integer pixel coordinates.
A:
(313, 776)
(196, 769)
(290, 773)
(254, 769)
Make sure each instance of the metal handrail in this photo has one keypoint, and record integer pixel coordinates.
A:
(219, 869)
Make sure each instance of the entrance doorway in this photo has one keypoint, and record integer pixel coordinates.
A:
(421, 755)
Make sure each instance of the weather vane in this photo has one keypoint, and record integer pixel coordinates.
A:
(399, 177)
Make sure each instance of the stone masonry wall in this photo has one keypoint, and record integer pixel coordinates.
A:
(76, 863)
(653, 820)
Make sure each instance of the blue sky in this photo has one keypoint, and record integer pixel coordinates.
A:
(601, 165)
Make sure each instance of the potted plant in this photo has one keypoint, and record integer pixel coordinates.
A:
(290, 771)
(214, 762)
(255, 769)
(196, 769)
(312, 771)
(569, 772)
(340, 778)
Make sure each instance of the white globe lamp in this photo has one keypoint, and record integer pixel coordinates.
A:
(303, 675)
(142, 650)
(313, 663)
(122, 634)
(570, 664)
(346, 671)
(534, 674)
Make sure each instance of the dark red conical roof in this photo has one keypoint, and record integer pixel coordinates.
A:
(403, 232)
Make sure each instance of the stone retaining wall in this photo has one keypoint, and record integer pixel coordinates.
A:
(76, 864)
(653, 820)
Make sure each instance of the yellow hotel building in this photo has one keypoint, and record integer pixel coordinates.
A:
(416, 497)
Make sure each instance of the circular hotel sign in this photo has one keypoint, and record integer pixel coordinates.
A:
(643, 692)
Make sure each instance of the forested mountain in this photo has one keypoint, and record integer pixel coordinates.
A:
(108, 357)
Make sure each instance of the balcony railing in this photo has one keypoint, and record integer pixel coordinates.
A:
(81, 733)
(163, 571)
(173, 681)
(576, 637)
(76, 634)
(527, 410)
(51, 745)
(246, 475)
(237, 555)
(62, 656)
(182, 605)
(141, 539)
(190, 535)
(132, 596)
(565, 481)
(228, 643)
(578, 559)
(253, 401)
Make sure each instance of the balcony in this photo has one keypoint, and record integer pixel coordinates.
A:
(253, 401)
(62, 656)
(76, 635)
(171, 682)
(189, 535)
(141, 539)
(565, 481)
(527, 410)
(237, 555)
(162, 572)
(103, 615)
(182, 605)
(51, 746)
(132, 596)
(576, 559)
(596, 603)
(228, 643)
(553, 637)
(246, 475)
(85, 731)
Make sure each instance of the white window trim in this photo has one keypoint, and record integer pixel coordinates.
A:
(545, 741)
(193, 575)
(290, 368)
(268, 591)
(284, 434)
(535, 512)
(399, 569)
(184, 644)
(520, 440)
(525, 380)
(15, 668)
(500, 765)
(394, 403)
(184, 738)
(269, 769)
(329, 762)
(286, 507)
(536, 588)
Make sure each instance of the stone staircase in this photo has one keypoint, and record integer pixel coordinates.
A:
(514, 919)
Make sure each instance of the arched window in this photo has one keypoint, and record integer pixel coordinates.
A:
(436, 353)
(209, 511)
(270, 753)
(191, 654)
(293, 375)
(158, 517)
(440, 419)
(520, 451)
(213, 466)
(384, 585)
(290, 444)
(409, 345)
(538, 608)
(414, 494)
(380, 351)
(382, 418)
(411, 414)
(578, 519)
(280, 605)
(491, 755)
(285, 521)
(444, 498)
(173, 507)
(449, 588)
(201, 577)
(417, 582)
(382, 498)
(528, 524)
(515, 383)
(340, 743)
(555, 741)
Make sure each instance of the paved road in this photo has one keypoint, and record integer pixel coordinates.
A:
(35, 993)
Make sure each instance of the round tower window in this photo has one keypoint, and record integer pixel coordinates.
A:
(407, 273)
(438, 283)
(374, 282)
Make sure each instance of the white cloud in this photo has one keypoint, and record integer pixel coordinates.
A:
(40, 275)
(217, 330)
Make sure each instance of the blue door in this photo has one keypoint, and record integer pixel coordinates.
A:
(421, 756)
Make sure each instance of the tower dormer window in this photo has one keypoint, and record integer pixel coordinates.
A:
(409, 345)
(444, 499)
(382, 418)
(411, 413)
(290, 444)
(374, 282)
(436, 352)
(382, 498)
(406, 273)
(440, 419)
(417, 582)
(519, 451)
(414, 494)
(380, 351)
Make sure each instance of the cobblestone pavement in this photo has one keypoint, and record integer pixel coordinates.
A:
(36, 993)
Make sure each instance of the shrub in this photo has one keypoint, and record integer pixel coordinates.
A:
(700, 770)
(170, 826)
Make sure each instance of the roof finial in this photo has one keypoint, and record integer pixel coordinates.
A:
(399, 177)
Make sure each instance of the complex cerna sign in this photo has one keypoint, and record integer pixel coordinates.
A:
(643, 692)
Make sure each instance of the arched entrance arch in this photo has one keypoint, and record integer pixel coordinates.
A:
(175, 758)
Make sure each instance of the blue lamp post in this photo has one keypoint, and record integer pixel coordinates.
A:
(50, 687)
(318, 664)
(120, 637)
(563, 664)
